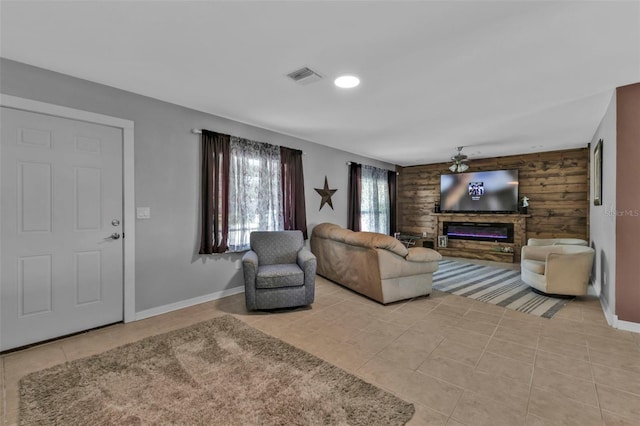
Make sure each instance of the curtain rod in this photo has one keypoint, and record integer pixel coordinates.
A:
(199, 132)
(351, 162)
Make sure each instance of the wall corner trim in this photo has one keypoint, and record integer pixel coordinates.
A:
(607, 313)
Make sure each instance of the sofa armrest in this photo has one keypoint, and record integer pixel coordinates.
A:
(422, 254)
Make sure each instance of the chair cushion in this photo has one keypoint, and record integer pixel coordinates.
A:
(534, 266)
(276, 246)
(281, 275)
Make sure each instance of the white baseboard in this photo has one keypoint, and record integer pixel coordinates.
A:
(147, 313)
(626, 325)
(614, 322)
(607, 314)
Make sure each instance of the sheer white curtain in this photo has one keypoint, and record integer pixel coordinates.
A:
(255, 196)
(375, 200)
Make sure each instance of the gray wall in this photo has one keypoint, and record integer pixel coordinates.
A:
(602, 218)
(167, 158)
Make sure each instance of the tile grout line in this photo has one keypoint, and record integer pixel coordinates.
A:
(593, 378)
(533, 372)
(484, 350)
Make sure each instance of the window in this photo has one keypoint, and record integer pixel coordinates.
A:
(374, 204)
(247, 186)
(255, 194)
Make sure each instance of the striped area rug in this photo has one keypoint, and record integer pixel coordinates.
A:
(501, 287)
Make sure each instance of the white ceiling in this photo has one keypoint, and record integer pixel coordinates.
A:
(498, 78)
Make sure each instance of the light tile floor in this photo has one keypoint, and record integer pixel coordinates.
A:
(461, 362)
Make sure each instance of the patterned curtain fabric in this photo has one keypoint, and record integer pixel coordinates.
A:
(354, 197)
(375, 200)
(393, 203)
(214, 192)
(255, 197)
(293, 208)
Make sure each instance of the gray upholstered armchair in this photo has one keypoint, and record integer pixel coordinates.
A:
(279, 272)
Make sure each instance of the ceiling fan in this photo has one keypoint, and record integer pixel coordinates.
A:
(459, 162)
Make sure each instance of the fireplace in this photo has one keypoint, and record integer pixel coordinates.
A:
(479, 231)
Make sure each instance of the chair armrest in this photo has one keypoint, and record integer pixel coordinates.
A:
(250, 270)
(308, 262)
(250, 266)
(539, 253)
(569, 273)
(305, 259)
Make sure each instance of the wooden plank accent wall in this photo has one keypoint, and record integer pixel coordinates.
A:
(556, 182)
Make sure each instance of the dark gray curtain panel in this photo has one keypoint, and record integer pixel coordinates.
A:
(393, 210)
(214, 193)
(292, 178)
(354, 197)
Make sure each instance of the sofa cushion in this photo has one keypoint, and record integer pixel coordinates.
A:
(279, 275)
(339, 234)
(422, 254)
(375, 240)
(389, 243)
(361, 239)
(534, 266)
(324, 230)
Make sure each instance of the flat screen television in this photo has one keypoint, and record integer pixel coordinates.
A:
(480, 192)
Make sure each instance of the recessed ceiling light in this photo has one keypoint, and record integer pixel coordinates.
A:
(347, 81)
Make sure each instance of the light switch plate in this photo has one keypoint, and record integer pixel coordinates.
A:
(143, 212)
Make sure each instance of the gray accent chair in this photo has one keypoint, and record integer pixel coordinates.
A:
(279, 272)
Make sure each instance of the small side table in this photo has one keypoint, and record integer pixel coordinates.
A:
(408, 240)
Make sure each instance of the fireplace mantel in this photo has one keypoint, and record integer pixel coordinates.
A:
(486, 250)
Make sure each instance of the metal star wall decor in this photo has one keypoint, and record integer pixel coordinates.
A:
(326, 194)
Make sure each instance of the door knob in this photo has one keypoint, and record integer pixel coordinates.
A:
(114, 236)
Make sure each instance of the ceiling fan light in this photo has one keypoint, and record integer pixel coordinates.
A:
(458, 165)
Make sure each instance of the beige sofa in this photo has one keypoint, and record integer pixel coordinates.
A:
(557, 269)
(375, 265)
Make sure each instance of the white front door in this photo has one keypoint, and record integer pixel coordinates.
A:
(62, 199)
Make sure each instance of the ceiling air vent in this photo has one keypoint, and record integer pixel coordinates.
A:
(304, 76)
